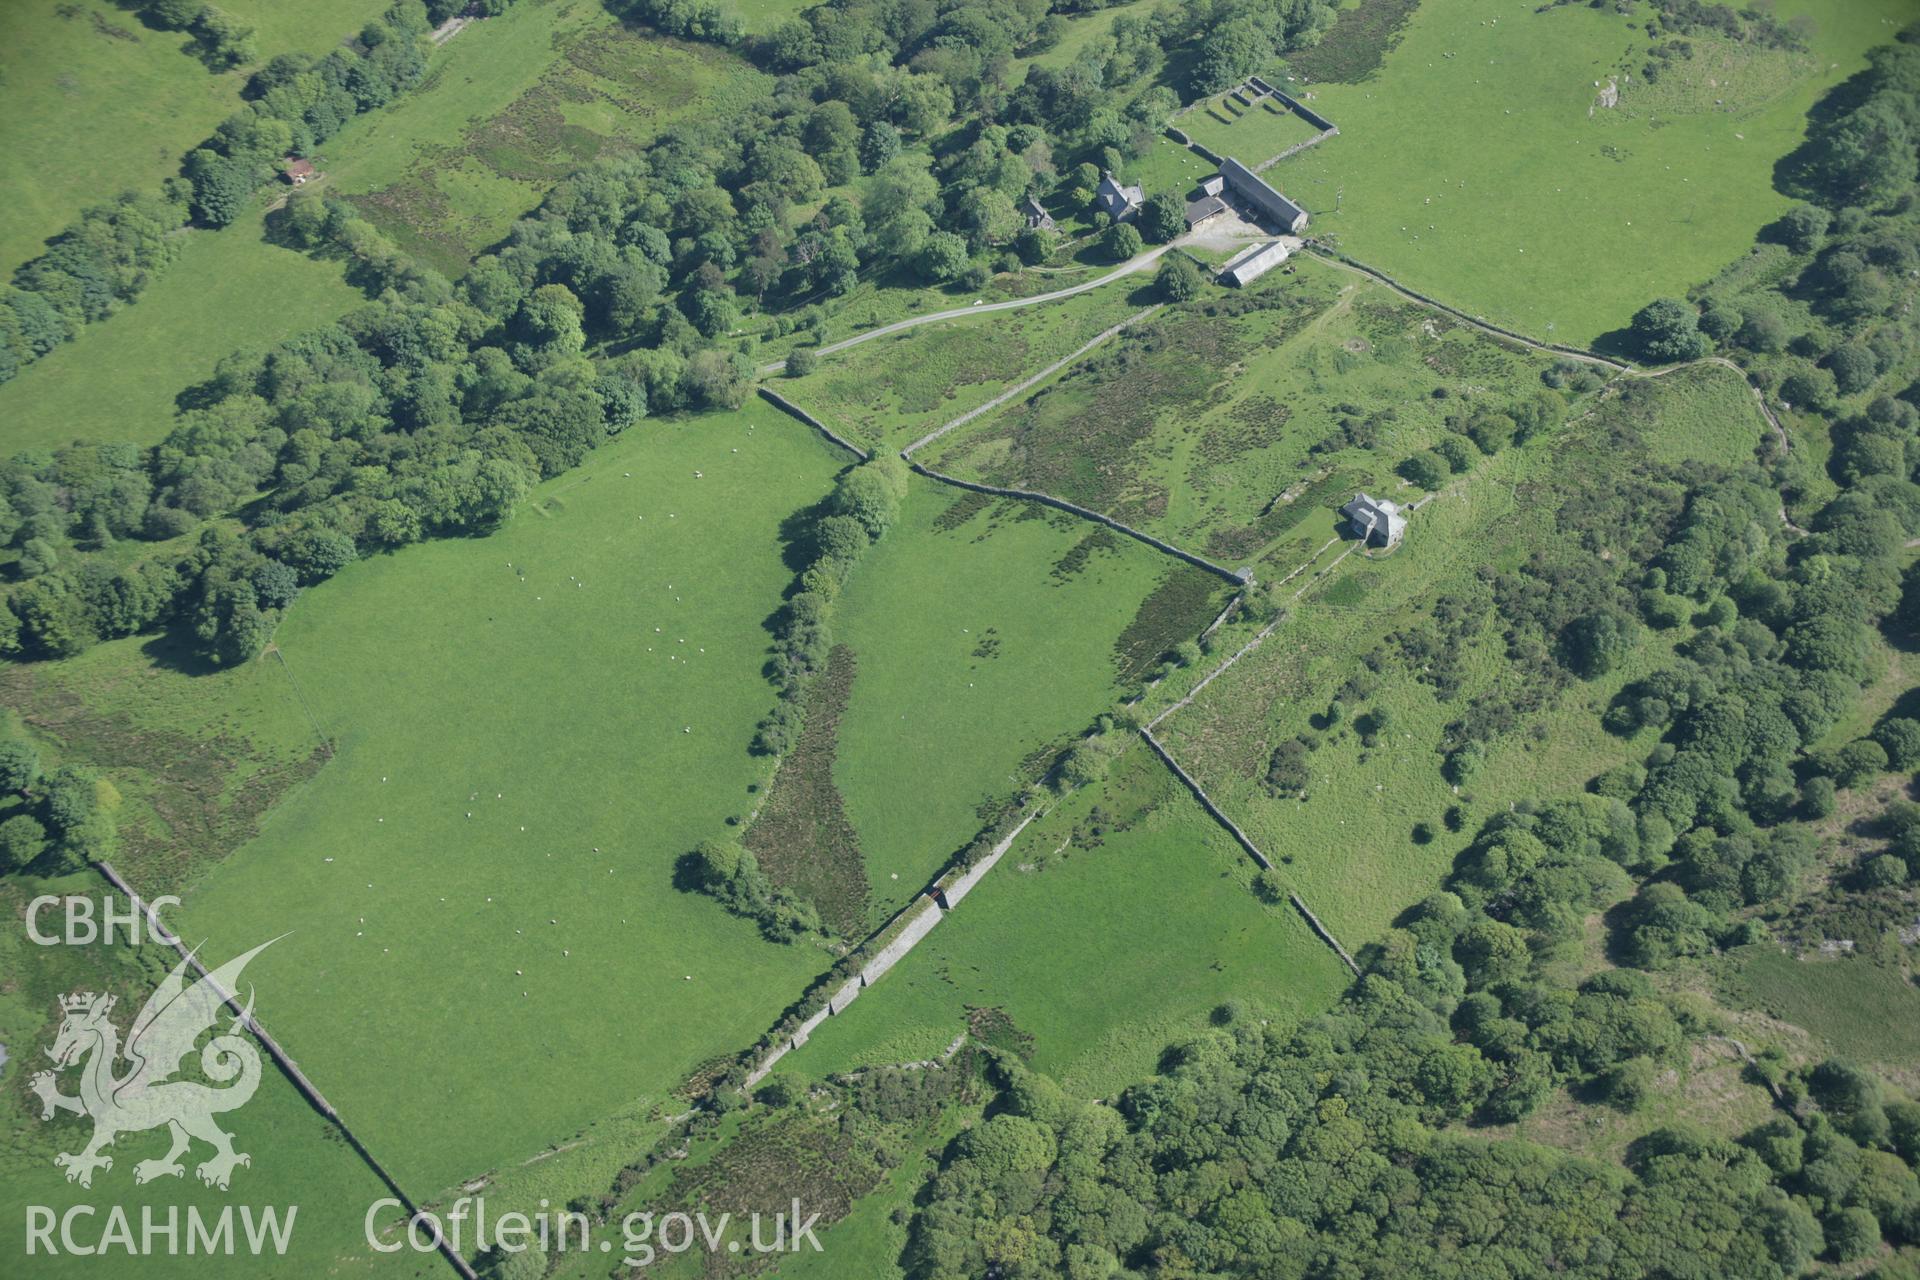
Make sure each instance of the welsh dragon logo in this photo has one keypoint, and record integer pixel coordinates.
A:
(148, 1095)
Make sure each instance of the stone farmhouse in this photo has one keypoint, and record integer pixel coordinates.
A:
(1375, 521)
(1038, 219)
(1116, 201)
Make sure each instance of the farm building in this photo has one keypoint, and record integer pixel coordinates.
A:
(299, 171)
(1252, 188)
(1253, 262)
(1116, 201)
(1202, 208)
(1375, 520)
(1038, 219)
(1212, 185)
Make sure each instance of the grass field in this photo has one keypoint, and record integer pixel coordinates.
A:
(228, 289)
(99, 103)
(1103, 948)
(1251, 135)
(1193, 427)
(298, 1159)
(890, 392)
(1865, 1011)
(986, 633)
(513, 105)
(199, 759)
(509, 107)
(521, 679)
(1350, 847)
(1471, 167)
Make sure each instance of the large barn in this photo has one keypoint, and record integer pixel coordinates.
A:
(1253, 262)
(1253, 189)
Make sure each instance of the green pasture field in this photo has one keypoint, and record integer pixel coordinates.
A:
(528, 97)
(99, 103)
(1083, 30)
(987, 633)
(298, 1159)
(514, 104)
(117, 381)
(1251, 135)
(520, 678)
(198, 757)
(1349, 847)
(887, 393)
(1471, 167)
(760, 16)
(1867, 1011)
(1168, 166)
(1103, 948)
(1199, 427)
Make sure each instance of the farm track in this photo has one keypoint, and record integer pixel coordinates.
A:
(1130, 267)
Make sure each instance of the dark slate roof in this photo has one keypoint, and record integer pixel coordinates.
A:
(1252, 188)
(1203, 208)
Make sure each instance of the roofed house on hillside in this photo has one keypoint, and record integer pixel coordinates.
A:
(1253, 262)
(1375, 521)
(298, 171)
(1116, 201)
(1252, 188)
(1038, 219)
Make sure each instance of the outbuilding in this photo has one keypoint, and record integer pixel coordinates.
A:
(1038, 219)
(299, 171)
(1253, 262)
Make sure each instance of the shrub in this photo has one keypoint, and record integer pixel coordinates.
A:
(1666, 330)
(802, 361)
(1121, 241)
(1178, 279)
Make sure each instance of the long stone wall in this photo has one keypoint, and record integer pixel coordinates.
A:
(952, 891)
(1236, 576)
(285, 1062)
(1478, 322)
(787, 406)
(907, 939)
(1035, 380)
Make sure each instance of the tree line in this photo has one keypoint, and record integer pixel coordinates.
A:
(108, 256)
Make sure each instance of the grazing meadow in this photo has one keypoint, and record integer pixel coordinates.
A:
(525, 98)
(988, 633)
(1113, 926)
(1480, 165)
(531, 730)
(298, 1160)
(99, 103)
(1364, 834)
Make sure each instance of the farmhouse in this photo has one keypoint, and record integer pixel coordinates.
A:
(1116, 201)
(1253, 262)
(299, 171)
(1252, 188)
(1375, 520)
(1038, 219)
